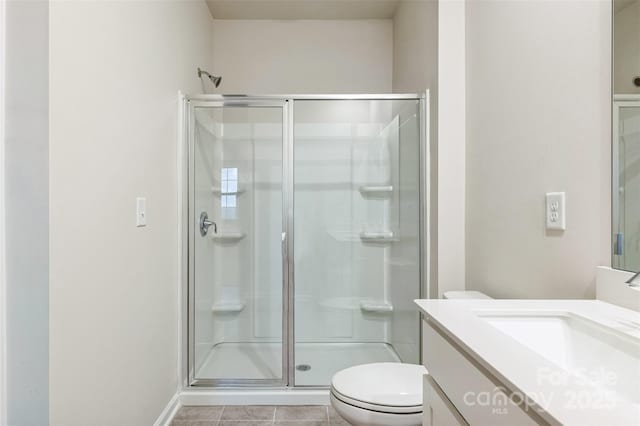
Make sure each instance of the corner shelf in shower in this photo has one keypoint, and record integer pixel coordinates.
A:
(376, 191)
(377, 237)
(376, 306)
(230, 307)
(217, 191)
(227, 237)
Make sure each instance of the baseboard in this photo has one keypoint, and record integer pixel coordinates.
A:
(255, 397)
(241, 397)
(169, 411)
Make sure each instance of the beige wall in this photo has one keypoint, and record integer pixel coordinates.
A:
(303, 56)
(115, 72)
(415, 69)
(415, 46)
(451, 146)
(538, 120)
(25, 180)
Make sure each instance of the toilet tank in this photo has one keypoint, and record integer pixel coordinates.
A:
(464, 295)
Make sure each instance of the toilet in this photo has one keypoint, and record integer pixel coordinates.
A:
(380, 394)
(384, 393)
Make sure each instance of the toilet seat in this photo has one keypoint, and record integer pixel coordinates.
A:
(385, 384)
(385, 387)
(389, 409)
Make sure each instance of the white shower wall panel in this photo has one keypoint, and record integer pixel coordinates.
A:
(232, 260)
(267, 192)
(335, 270)
(323, 259)
(250, 270)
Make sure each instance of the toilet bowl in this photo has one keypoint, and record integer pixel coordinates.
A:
(379, 394)
(384, 393)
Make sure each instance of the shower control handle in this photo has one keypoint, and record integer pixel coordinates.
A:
(205, 223)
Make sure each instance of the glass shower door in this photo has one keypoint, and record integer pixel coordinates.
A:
(236, 228)
(357, 228)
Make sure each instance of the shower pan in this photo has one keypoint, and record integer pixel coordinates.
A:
(304, 236)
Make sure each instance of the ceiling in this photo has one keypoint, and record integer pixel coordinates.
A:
(302, 9)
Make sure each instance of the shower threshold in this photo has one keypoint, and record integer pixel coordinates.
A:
(315, 363)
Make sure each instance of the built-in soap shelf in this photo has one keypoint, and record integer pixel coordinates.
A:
(376, 191)
(376, 237)
(227, 237)
(228, 307)
(217, 191)
(376, 306)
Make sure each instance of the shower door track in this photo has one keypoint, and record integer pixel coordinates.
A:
(187, 229)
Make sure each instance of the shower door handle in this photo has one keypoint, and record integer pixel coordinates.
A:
(205, 223)
(283, 244)
(284, 252)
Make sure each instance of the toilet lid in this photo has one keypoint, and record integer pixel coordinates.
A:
(384, 384)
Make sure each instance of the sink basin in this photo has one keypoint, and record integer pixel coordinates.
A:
(600, 355)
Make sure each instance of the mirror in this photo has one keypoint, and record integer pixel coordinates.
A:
(626, 135)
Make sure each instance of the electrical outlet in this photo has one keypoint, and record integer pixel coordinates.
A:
(556, 211)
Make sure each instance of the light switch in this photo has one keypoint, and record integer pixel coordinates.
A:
(141, 211)
(556, 211)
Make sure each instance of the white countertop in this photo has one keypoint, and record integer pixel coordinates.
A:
(564, 396)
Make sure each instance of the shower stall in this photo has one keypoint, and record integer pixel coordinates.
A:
(304, 229)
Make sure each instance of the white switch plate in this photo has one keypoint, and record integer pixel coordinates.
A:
(141, 211)
(556, 211)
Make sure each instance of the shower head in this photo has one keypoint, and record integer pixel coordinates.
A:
(216, 80)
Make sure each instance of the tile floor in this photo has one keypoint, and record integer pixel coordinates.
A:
(258, 415)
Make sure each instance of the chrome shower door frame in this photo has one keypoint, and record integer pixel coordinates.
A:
(618, 255)
(188, 227)
(190, 103)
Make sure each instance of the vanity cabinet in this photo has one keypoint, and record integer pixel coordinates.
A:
(437, 409)
(459, 391)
